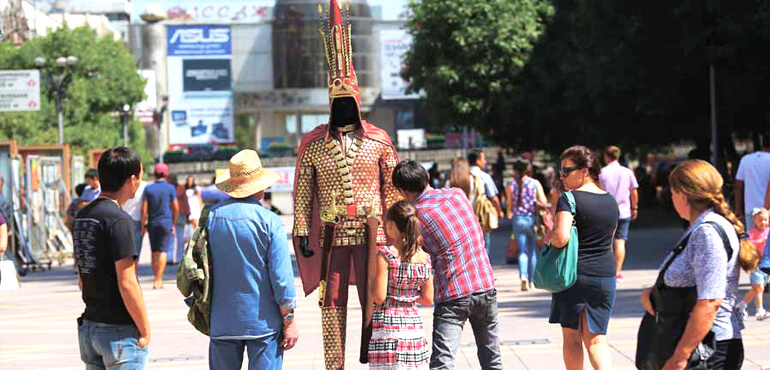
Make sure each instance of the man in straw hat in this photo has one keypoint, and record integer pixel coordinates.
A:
(343, 178)
(253, 296)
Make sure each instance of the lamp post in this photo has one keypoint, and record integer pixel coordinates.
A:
(124, 114)
(58, 84)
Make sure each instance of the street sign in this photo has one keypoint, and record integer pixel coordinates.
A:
(19, 90)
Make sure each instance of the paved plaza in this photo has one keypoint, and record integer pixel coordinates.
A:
(38, 328)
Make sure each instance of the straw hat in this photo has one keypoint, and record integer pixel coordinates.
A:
(246, 176)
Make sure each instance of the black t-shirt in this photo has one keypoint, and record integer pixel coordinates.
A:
(103, 234)
(597, 218)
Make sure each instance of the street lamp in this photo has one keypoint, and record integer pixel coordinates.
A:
(58, 84)
(126, 110)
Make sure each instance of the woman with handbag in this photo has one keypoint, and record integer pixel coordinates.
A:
(691, 320)
(584, 309)
(525, 194)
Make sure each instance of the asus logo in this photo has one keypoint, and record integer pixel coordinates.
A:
(198, 36)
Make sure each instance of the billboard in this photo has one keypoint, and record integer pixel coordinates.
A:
(200, 84)
(207, 11)
(393, 47)
(19, 90)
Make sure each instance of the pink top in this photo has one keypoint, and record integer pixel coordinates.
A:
(758, 238)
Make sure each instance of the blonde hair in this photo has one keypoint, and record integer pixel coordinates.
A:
(702, 184)
(460, 176)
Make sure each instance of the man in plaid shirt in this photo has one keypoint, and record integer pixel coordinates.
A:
(463, 278)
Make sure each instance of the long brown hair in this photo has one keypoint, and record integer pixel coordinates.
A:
(521, 168)
(702, 184)
(404, 215)
(460, 176)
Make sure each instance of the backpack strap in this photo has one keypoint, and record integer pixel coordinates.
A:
(204, 219)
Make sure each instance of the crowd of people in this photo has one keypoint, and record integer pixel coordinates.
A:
(439, 257)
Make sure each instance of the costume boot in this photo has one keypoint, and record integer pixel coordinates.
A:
(333, 322)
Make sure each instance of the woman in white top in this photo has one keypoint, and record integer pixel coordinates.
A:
(195, 202)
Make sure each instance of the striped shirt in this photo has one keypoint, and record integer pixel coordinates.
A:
(454, 240)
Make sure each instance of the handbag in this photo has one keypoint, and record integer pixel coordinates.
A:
(659, 335)
(9, 278)
(556, 268)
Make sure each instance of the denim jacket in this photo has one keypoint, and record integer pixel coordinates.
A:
(251, 270)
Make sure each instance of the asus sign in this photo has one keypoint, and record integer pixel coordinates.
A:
(198, 40)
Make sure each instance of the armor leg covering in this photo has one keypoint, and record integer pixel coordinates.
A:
(333, 322)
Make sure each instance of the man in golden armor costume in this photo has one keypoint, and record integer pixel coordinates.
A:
(343, 183)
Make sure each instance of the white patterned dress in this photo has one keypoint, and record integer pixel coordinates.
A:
(398, 337)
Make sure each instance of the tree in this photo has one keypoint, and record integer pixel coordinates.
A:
(104, 79)
(466, 55)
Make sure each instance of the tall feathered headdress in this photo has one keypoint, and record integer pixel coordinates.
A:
(337, 35)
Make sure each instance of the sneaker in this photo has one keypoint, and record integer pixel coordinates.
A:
(524, 285)
(762, 315)
(619, 278)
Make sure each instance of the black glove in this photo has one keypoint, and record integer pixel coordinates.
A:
(304, 248)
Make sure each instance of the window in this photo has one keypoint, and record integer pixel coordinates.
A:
(291, 124)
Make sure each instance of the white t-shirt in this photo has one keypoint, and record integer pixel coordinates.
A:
(194, 202)
(133, 206)
(754, 171)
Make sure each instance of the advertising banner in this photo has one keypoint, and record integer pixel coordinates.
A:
(19, 90)
(200, 85)
(393, 47)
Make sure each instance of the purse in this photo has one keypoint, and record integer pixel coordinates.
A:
(484, 209)
(9, 278)
(556, 268)
(659, 335)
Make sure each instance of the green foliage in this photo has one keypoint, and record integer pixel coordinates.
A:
(632, 73)
(467, 53)
(104, 79)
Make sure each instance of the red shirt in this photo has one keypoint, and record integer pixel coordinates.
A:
(454, 240)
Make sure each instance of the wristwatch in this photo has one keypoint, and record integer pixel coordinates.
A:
(288, 318)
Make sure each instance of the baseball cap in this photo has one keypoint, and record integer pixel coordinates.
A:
(161, 169)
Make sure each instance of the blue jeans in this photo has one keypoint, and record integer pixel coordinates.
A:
(112, 347)
(138, 238)
(264, 353)
(176, 255)
(488, 244)
(525, 239)
(448, 321)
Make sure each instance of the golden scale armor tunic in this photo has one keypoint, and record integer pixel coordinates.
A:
(345, 184)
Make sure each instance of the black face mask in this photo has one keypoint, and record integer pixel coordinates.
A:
(344, 112)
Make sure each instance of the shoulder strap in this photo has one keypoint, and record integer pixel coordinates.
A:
(723, 235)
(680, 247)
(204, 218)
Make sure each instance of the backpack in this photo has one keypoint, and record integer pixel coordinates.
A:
(193, 278)
(483, 208)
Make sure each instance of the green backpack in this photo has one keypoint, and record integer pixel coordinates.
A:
(556, 268)
(193, 278)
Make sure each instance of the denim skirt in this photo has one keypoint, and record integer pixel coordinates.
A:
(594, 295)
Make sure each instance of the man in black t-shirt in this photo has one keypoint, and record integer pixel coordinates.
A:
(114, 330)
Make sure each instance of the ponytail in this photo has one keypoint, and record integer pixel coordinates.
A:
(404, 215)
(748, 257)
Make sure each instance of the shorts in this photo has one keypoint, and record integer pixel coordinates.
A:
(758, 277)
(622, 231)
(161, 236)
(595, 295)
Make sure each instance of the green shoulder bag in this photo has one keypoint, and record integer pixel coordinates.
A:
(556, 268)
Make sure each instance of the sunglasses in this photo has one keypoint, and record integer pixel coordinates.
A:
(565, 171)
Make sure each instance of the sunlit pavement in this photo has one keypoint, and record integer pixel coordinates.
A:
(38, 328)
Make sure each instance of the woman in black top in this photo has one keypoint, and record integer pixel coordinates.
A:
(584, 309)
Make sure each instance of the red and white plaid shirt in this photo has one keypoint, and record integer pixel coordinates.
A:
(454, 240)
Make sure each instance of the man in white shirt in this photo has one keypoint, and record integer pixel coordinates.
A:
(751, 182)
(621, 183)
(133, 207)
(478, 160)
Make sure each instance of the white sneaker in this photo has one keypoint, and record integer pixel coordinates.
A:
(762, 315)
(524, 285)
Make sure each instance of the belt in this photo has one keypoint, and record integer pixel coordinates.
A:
(336, 214)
